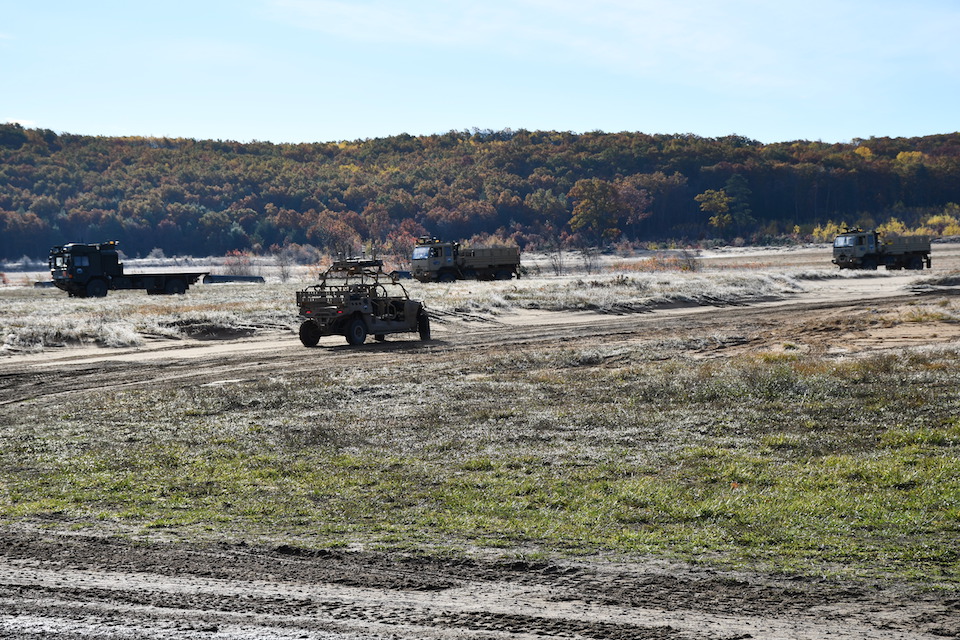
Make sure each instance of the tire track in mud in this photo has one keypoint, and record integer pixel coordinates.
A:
(238, 592)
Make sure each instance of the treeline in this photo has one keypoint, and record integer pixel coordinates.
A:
(533, 188)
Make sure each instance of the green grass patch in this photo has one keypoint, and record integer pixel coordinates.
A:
(787, 463)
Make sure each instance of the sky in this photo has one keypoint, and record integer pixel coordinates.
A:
(333, 70)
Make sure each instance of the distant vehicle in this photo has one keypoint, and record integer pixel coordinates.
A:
(859, 249)
(437, 261)
(356, 298)
(91, 270)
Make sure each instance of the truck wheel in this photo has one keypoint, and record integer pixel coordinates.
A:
(96, 289)
(309, 333)
(356, 332)
(423, 325)
(869, 264)
(916, 263)
(175, 287)
(446, 276)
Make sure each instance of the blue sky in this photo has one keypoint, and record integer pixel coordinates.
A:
(330, 70)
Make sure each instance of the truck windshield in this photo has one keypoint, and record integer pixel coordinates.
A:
(844, 241)
(421, 253)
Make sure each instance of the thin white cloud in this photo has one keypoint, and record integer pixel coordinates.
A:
(636, 38)
(746, 43)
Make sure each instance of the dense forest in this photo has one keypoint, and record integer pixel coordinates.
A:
(538, 189)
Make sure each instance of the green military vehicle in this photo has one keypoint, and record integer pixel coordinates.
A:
(859, 249)
(436, 261)
(356, 298)
(91, 270)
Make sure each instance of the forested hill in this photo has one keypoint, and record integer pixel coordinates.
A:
(535, 188)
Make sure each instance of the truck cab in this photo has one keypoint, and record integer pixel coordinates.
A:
(75, 267)
(852, 247)
(431, 257)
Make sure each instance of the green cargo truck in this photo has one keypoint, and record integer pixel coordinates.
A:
(859, 249)
(437, 261)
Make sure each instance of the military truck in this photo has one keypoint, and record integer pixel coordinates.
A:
(356, 298)
(859, 249)
(437, 261)
(91, 270)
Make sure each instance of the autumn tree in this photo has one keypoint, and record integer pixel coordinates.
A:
(635, 201)
(598, 207)
(12, 136)
(547, 207)
(738, 191)
(716, 203)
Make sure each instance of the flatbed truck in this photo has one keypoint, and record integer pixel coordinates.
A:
(91, 270)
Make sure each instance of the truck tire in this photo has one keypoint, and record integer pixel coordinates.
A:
(309, 333)
(446, 275)
(356, 332)
(916, 263)
(423, 325)
(175, 286)
(96, 288)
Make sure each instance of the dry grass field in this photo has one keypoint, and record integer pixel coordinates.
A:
(759, 447)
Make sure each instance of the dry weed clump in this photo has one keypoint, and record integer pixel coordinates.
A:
(662, 261)
(607, 292)
(31, 319)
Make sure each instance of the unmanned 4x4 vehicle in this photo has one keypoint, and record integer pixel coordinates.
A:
(356, 298)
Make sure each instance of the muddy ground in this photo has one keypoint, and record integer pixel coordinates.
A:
(63, 585)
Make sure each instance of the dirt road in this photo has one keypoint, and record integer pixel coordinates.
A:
(67, 587)
(58, 585)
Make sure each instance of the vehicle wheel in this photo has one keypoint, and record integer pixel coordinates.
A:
(175, 287)
(309, 333)
(916, 263)
(446, 276)
(870, 264)
(96, 289)
(423, 325)
(356, 332)
(504, 274)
